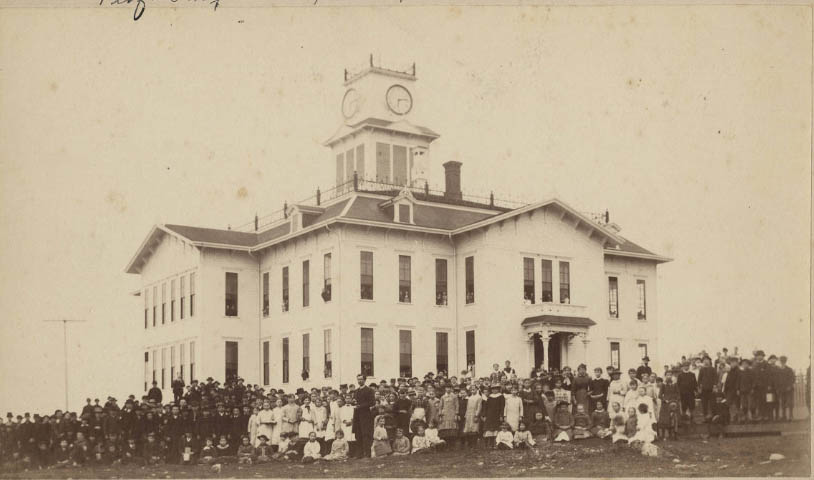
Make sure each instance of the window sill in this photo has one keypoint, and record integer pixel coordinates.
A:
(235, 317)
(612, 318)
(442, 306)
(469, 304)
(405, 303)
(367, 300)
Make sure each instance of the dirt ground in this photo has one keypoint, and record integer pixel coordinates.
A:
(729, 457)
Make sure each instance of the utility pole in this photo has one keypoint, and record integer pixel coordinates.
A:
(65, 350)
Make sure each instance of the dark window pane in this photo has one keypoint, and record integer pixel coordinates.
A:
(441, 352)
(231, 360)
(366, 276)
(528, 280)
(470, 347)
(266, 294)
(367, 352)
(405, 287)
(642, 313)
(470, 279)
(440, 281)
(285, 289)
(285, 360)
(613, 297)
(565, 282)
(405, 353)
(231, 294)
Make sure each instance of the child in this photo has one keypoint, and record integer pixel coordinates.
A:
(381, 447)
(62, 455)
(223, 449)
(720, 415)
(549, 402)
(522, 437)
(208, 452)
(601, 421)
(513, 408)
(339, 447)
(310, 453)
(287, 449)
(644, 425)
(563, 423)
(668, 421)
(81, 449)
(245, 452)
(432, 435)
(619, 427)
(504, 439)
(582, 423)
(631, 427)
(540, 428)
(188, 447)
(420, 442)
(111, 455)
(632, 396)
(152, 450)
(129, 452)
(263, 451)
(401, 444)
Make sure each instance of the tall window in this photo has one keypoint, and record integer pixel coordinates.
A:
(327, 362)
(191, 361)
(367, 352)
(565, 282)
(548, 286)
(231, 360)
(405, 353)
(470, 347)
(326, 275)
(265, 363)
(642, 350)
(360, 160)
(172, 300)
(163, 303)
(172, 364)
(528, 280)
(146, 308)
(192, 294)
(441, 352)
(440, 281)
(613, 297)
(306, 355)
(155, 304)
(182, 359)
(614, 351)
(183, 296)
(383, 162)
(340, 169)
(285, 289)
(306, 283)
(285, 360)
(155, 360)
(470, 279)
(366, 275)
(231, 294)
(642, 313)
(146, 368)
(405, 287)
(163, 367)
(400, 165)
(404, 213)
(266, 294)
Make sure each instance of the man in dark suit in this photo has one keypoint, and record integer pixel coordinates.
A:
(731, 392)
(155, 394)
(707, 379)
(644, 368)
(363, 416)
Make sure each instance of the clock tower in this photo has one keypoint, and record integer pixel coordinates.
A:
(376, 139)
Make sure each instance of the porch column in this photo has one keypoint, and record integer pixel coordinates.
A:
(584, 337)
(545, 336)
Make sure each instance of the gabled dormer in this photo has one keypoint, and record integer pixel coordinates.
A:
(302, 216)
(401, 207)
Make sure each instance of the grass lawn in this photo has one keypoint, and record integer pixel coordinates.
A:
(746, 456)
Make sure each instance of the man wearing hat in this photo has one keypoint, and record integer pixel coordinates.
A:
(761, 384)
(785, 389)
(363, 415)
(687, 386)
(644, 368)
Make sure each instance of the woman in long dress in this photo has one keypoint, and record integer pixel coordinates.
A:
(253, 426)
(265, 420)
(474, 403)
(582, 383)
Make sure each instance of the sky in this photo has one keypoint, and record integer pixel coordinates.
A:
(691, 125)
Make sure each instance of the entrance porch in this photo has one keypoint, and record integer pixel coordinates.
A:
(551, 340)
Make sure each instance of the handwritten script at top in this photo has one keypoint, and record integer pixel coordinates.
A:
(141, 5)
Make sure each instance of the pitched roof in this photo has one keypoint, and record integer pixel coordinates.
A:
(401, 125)
(215, 236)
(434, 212)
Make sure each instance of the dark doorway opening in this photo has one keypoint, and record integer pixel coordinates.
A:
(555, 351)
(538, 351)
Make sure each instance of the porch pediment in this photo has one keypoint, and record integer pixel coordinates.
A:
(559, 321)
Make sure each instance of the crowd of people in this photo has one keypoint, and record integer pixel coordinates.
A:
(212, 423)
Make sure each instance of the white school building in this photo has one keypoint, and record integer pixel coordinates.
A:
(384, 276)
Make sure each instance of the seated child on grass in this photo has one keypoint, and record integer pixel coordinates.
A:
(421, 443)
(401, 444)
(339, 447)
(601, 421)
(523, 438)
(504, 439)
(582, 423)
(310, 452)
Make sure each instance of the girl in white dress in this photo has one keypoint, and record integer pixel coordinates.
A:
(320, 419)
(306, 425)
(265, 420)
(513, 409)
(346, 420)
(277, 418)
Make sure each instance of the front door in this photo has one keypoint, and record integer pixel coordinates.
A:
(555, 351)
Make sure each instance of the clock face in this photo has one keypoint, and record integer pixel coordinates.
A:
(350, 103)
(399, 100)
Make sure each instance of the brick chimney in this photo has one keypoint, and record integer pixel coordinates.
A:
(452, 177)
